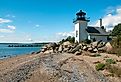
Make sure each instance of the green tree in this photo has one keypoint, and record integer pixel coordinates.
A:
(69, 38)
(116, 42)
(117, 30)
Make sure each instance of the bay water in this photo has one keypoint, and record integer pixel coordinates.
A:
(6, 51)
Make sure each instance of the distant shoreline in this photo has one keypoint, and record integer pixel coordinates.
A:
(15, 49)
(23, 44)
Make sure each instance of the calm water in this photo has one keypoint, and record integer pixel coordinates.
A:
(6, 51)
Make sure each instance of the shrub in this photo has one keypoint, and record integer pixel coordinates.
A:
(87, 41)
(69, 38)
(110, 61)
(100, 66)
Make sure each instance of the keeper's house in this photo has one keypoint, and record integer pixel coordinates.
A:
(83, 31)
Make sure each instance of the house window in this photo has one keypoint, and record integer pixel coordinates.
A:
(76, 33)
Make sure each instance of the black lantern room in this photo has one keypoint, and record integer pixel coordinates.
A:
(80, 16)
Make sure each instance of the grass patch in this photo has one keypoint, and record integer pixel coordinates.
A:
(110, 61)
(114, 70)
(96, 55)
(100, 66)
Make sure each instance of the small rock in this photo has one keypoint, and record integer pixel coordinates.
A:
(95, 50)
(85, 48)
(106, 56)
(38, 52)
(80, 50)
(43, 50)
(78, 53)
(48, 51)
(95, 62)
(90, 49)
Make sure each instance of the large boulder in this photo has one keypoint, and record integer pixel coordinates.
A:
(60, 49)
(76, 48)
(51, 45)
(65, 49)
(66, 43)
(56, 50)
(108, 47)
(101, 44)
(94, 44)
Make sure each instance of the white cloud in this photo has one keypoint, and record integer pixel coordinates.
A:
(11, 27)
(37, 25)
(111, 19)
(6, 31)
(12, 16)
(30, 39)
(62, 35)
(2, 36)
(4, 20)
(66, 34)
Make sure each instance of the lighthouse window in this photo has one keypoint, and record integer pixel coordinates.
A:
(76, 33)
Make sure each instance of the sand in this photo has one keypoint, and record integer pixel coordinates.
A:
(56, 67)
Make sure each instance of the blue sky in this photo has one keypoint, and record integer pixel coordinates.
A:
(50, 20)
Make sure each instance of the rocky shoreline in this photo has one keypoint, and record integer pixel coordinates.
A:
(65, 62)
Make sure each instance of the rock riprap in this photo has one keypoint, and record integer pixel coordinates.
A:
(68, 47)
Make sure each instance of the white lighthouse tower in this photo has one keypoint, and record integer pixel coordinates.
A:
(80, 26)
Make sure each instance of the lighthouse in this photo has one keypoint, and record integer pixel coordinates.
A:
(80, 24)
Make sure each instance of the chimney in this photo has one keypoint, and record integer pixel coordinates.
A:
(100, 22)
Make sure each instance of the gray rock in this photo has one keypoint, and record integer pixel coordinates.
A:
(65, 49)
(49, 51)
(56, 50)
(60, 49)
(66, 43)
(90, 49)
(94, 44)
(51, 45)
(43, 50)
(80, 50)
(85, 48)
(102, 49)
(101, 44)
(32, 52)
(76, 49)
(108, 47)
(78, 53)
(95, 50)
(70, 50)
(38, 52)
